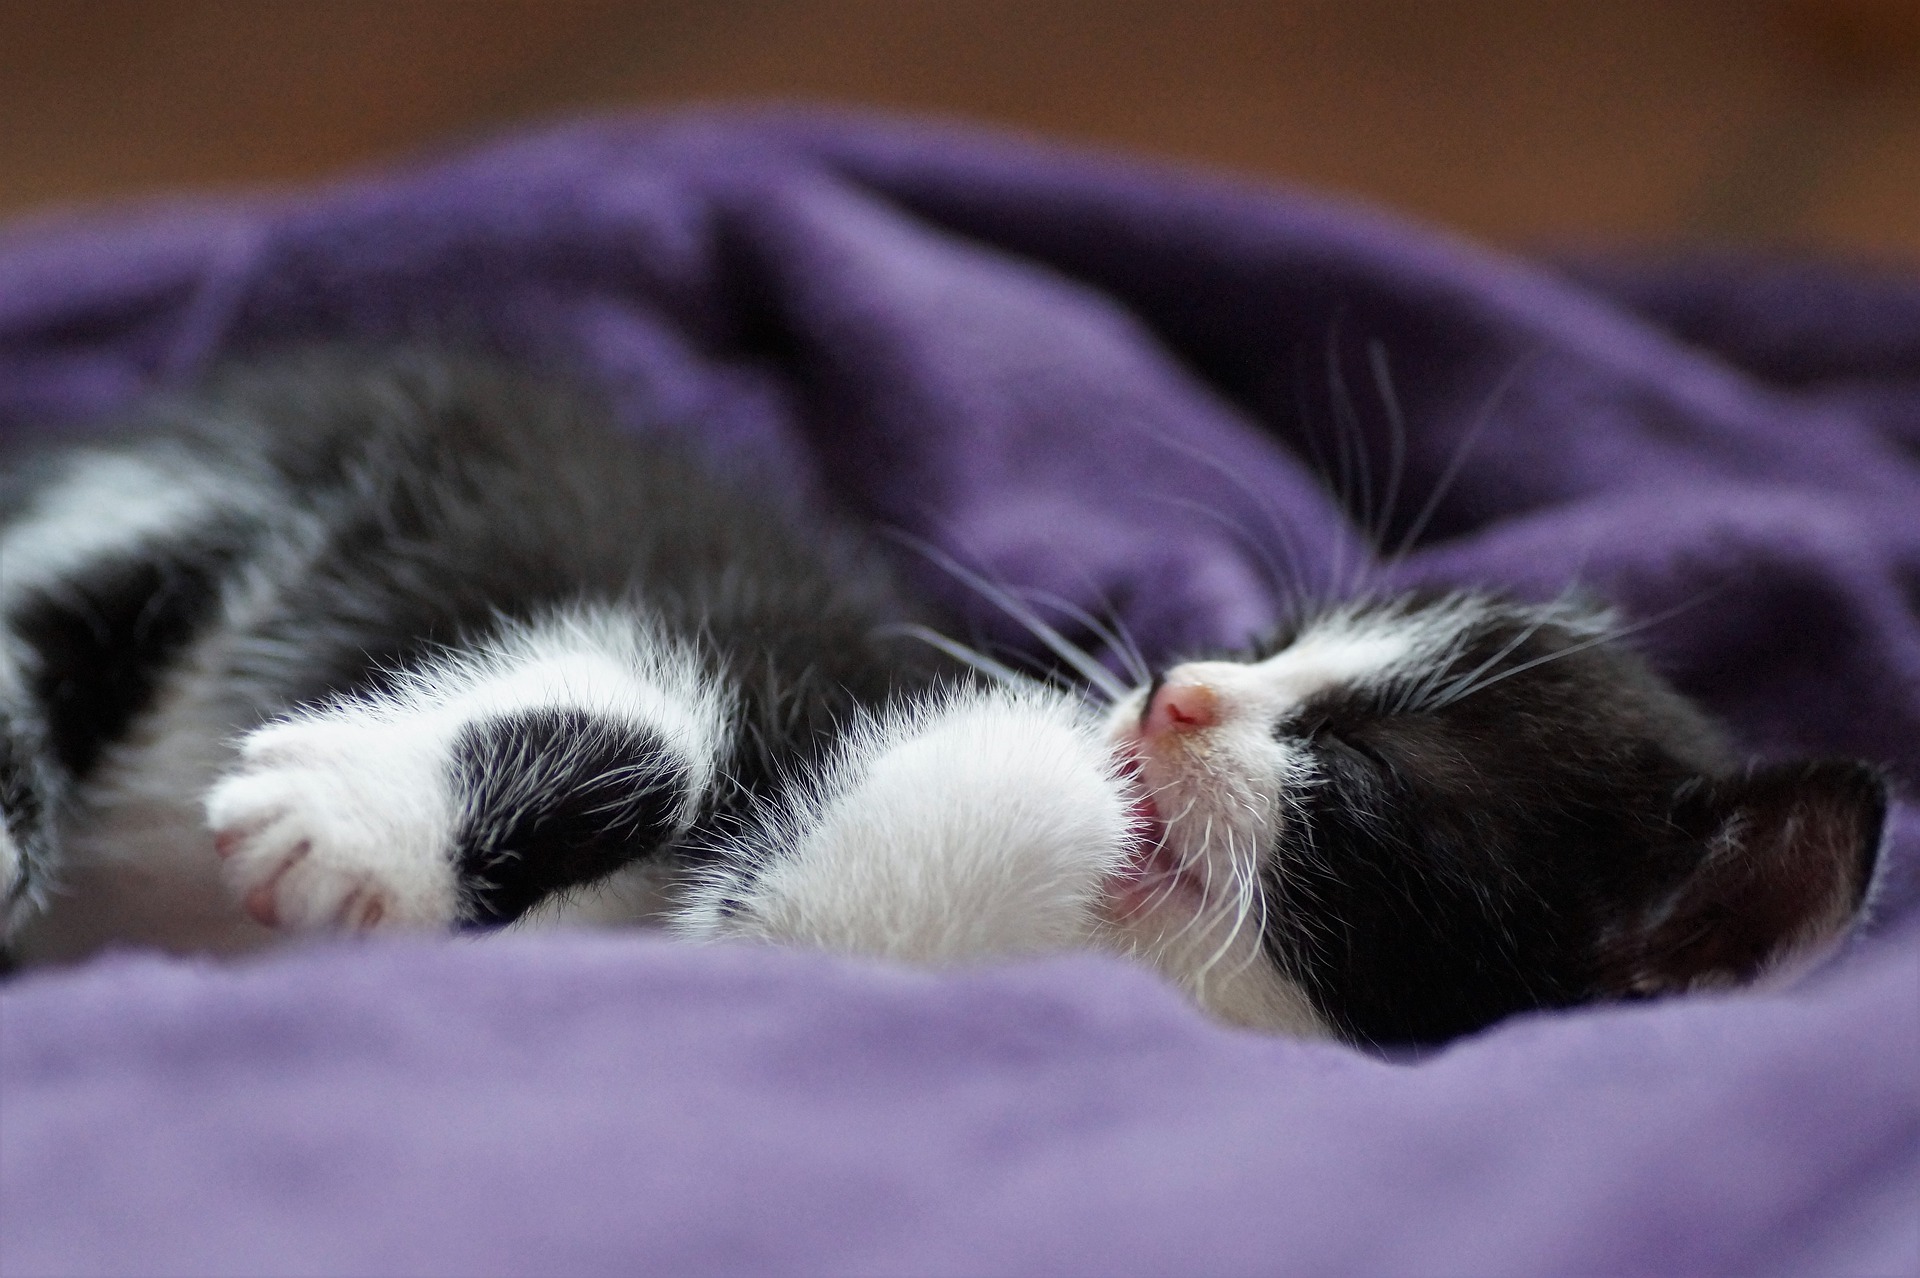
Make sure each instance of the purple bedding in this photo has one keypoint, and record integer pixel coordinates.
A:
(1109, 384)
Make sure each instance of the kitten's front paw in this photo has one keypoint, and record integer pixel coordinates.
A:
(330, 823)
(982, 825)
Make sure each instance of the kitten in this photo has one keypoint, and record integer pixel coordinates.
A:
(371, 642)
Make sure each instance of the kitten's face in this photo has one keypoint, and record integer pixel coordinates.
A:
(1402, 821)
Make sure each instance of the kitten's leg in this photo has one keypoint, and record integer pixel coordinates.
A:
(981, 823)
(110, 561)
(477, 784)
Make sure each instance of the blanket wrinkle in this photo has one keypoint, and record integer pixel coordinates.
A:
(947, 367)
(1180, 398)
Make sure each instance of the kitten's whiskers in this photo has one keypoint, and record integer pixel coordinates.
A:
(973, 657)
(1117, 641)
(1592, 641)
(1097, 676)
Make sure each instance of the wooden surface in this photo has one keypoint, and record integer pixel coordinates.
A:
(1521, 121)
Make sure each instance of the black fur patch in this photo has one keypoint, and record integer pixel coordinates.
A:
(454, 494)
(556, 798)
(102, 638)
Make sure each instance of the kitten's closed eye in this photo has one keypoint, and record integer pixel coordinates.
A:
(1322, 731)
(1326, 736)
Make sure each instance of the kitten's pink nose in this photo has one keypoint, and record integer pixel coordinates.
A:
(1182, 707)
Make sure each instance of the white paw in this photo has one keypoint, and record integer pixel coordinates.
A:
(339, 821)
(978, 827)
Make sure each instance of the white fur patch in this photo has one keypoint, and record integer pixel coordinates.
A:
(982, 824)
(1218, 957)
(1350, 648)
(346, 816)
(105, 503)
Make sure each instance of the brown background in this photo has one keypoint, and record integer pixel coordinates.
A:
(1517, 120)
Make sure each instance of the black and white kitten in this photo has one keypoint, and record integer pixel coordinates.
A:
(345, 642)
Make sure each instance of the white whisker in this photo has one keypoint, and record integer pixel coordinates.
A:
(1457, 462)
(1096, 675)
(1396, 439)
(1123, 649)
(1592, 641)
(960, 652)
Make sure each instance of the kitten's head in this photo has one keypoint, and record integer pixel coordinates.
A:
(1401, 821)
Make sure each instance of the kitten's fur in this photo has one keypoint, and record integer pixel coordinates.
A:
(368, 642)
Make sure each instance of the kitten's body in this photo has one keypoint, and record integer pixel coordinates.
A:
(365, 643)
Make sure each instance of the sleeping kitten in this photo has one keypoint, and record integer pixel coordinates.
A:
(365, 643)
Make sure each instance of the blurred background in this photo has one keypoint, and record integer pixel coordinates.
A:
(1525, 122)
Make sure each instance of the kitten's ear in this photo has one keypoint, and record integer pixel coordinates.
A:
(1785, 857)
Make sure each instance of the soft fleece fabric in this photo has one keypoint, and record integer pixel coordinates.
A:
(1128, 388)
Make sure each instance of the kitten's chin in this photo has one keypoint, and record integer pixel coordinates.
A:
(1222, 967)
(1156, 908)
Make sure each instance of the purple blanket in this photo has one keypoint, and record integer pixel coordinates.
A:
(1110, 385)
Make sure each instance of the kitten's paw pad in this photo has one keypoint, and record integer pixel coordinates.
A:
(336, 826)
